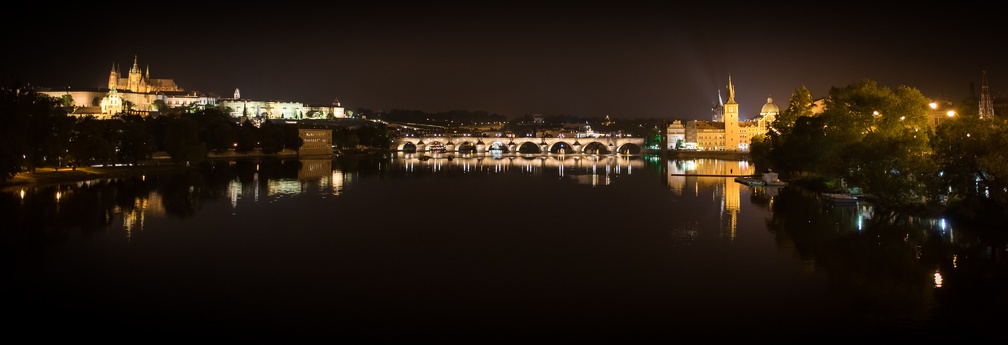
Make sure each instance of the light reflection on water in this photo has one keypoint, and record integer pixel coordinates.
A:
(553, 240)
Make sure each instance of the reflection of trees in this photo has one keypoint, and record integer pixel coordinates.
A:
(180, 193)
(884, 266)
(42, 218)
(39, 218)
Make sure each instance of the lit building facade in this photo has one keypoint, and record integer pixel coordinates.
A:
(727, 135)
(138, 82)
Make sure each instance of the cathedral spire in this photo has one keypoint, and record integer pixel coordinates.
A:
(986, 106)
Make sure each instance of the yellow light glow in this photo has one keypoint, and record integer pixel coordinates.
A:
(951, 113)
(938, 279)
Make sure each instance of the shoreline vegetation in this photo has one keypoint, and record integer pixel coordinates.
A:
(158, 165)
(50, 176)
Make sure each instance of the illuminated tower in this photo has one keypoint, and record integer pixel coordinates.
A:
(986, 107)
(113, 79)
(134, 78)
(718, 109)
(731, 127)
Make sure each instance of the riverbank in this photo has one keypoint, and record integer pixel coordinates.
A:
(48, 176)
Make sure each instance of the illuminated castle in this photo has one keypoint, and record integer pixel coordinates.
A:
(139, 82)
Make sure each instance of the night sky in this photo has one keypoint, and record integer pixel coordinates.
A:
(622, 59)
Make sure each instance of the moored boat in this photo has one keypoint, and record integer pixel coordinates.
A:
(750, 181)
(840, 198)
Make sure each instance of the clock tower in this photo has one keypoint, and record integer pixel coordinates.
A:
(731, 125)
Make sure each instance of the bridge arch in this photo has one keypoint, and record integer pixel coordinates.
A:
(562, 147)
(596, 148)
(533, 145)
(529, 147)
(629, 148)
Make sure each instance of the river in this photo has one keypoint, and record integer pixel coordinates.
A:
(505, 248)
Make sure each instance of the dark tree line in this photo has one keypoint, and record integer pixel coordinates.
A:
(876, 141)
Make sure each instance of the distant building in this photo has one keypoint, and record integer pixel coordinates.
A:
(239, 107)
(939, 111)
(316, 141)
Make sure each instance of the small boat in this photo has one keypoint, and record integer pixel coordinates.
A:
(840, 198)
(750, 181)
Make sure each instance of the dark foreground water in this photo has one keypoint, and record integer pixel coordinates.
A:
(489, 249)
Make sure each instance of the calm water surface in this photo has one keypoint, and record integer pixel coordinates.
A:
(507, 248)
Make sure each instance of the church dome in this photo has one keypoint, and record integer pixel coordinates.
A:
(769, 108)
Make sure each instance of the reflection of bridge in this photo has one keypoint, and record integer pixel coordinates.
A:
(588, 169)
(588, 145)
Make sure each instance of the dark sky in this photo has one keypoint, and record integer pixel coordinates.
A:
(623, 59)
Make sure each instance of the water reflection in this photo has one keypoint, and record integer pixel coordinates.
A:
(588, 169)
(659, 234)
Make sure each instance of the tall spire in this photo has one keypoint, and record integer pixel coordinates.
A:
(731, 91)
(986, 107)
(719, 100)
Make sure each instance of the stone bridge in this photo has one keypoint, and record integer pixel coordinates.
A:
(588, 145)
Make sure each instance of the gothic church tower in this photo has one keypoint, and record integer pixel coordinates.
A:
(113, 79)
(731, 125)
(136, 80)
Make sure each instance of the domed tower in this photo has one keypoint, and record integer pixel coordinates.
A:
(768, 114)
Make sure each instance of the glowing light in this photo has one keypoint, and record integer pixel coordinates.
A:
(938, 279)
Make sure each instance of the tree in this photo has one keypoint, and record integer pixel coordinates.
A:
(801, 104)
(92, 142)
(159, 105)
(216, 129)
(47, 130)
(182, 140)
(880, 140)
(135, 141)
(247, 138)
(15, 113)
(67, 101)
(973, 168)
